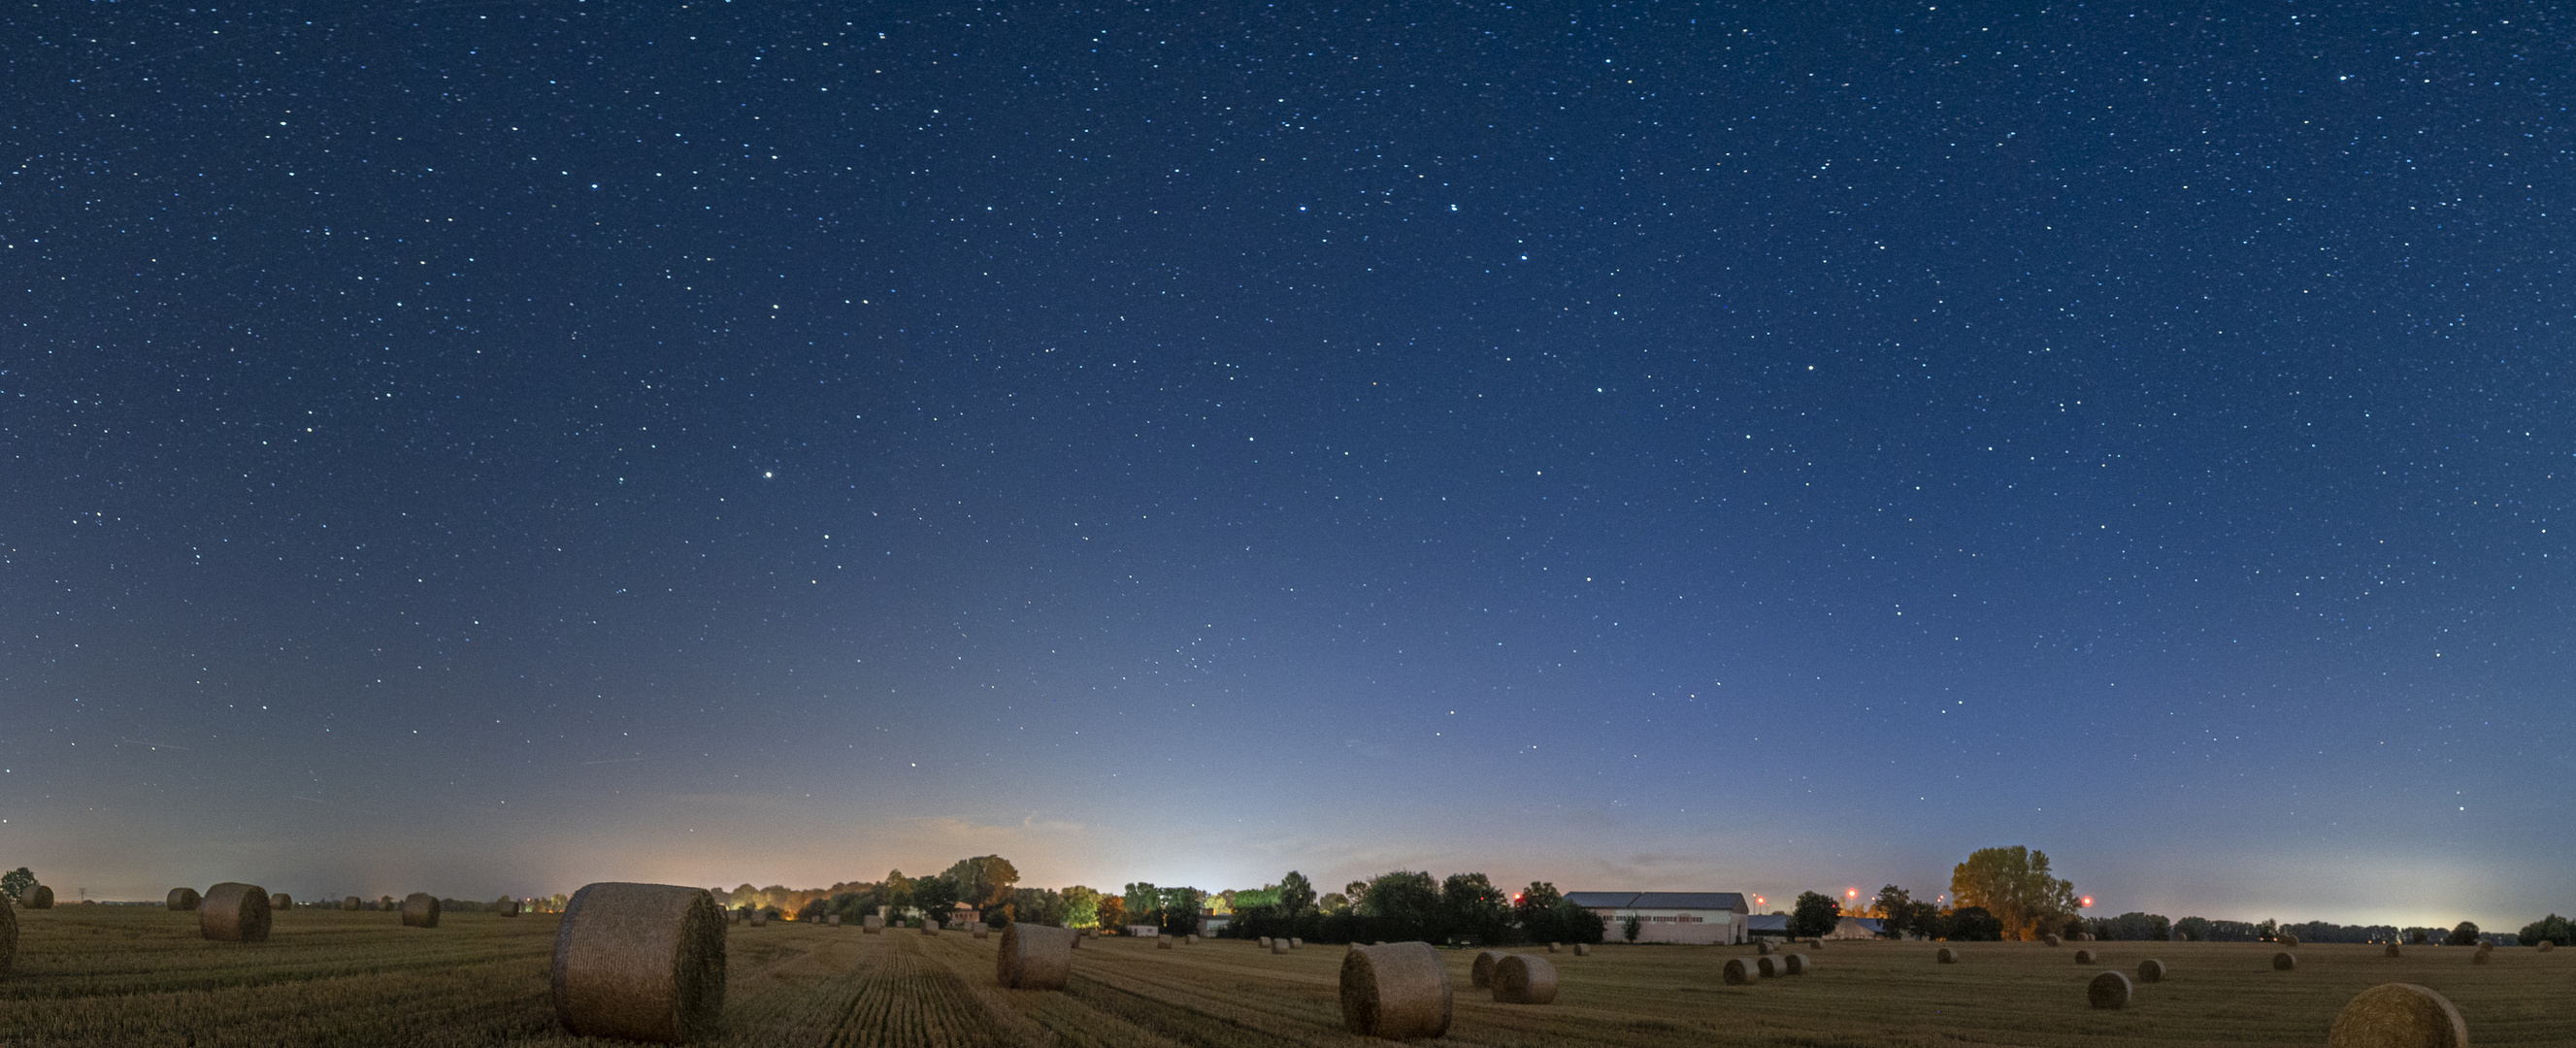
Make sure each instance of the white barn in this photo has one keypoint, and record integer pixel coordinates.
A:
(1699, 918)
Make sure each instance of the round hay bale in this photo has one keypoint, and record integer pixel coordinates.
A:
(351, 904)
(1278, 945)
(385, 904)
(2083, 956)
(1583, 949)
(1795, 964)
(2284, 961)
(1295, 943)
(930, 927)
(2052, 940)
(1762, 947)
(757, 918)
(2481, 956)
(1481, 975)
(2288, 941)
(1524, 979)
(1397, 992)
(234, 912)
(1162, 942)
(2392, 950)
(871, 924)
(1815, 944)
(2546, 946)
(281, 901)
(2108, 990)
(833, 920)
(645, 962)
(184, 898)
(1768, 966)
(2151, 970)
(2398, 1015)
(1189, 940)
(506, 907)
(1739, 971)
(1034, 957)
(1947, 956)
(1553, 947)
(1265, 942)
(37, 897)
(420, 910)
(981, 930)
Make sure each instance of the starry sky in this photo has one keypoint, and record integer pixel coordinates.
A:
(488, 447)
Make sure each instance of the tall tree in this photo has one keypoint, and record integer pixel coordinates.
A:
(1144, 904)
(15, 883)
(1471, 906)
(2015, 885)
(1296, 894)
(1113, 911)
(1404, 905)
(935, 897)
(1081, 907)
(1815, 915)
(983, 881)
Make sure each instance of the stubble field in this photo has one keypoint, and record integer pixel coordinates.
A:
(95, 976)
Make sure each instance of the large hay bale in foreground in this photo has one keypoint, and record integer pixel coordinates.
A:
(2398, 1015)
(1795, 964)
(645, 962)
(1034, 957)
(871, 924)
(1947, 956)
(2108, 990)
(1398, 992)
(1481, 975)
(37, 897)
(184, 899)
(420, 910)
(351, 904)
(2052, 940)
(2284, 961)
(281, 901)
(1739, 971)
(2151, 970)
(234, 912)
(1524, 979)
(2083, 956)
(2288, 941)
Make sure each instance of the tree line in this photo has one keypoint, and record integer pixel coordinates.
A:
(1405, 906)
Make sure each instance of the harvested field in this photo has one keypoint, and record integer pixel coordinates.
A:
(133, 975)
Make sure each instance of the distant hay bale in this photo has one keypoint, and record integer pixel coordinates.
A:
(2481, 956)
(385, 904)
(1815, 944)
(36, 897)
(2391, 950)
(351, 904)
(184, 898)
(1521, 978)
(1481, 974)
(1795, 964)
(1034, 957)
(645, 962)
(281, 901)
(2546, 946)
(871, 924)
(1265, 942)
(1583, 949)
(2108, 990)
(1278, 945)
(757, 918)
(833, 920)
(1189, 940)
(2083, 956)
(1162, 942)
(420, 910)
(1947, 956)
(1295, 943)
(234, 912)
(1770, 967)
(1397, 992)
(2052, 940)
(1553, 947)
(2288, 941)
(1762, 947)
(2284, 961)
(506, 907)
(2151, 970)
(930, 927)
(2398, 1015)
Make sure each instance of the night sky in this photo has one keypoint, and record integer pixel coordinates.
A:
(488, 447)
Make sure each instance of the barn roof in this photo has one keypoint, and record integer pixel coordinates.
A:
(1729, 901)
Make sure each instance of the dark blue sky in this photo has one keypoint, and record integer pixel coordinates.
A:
(490, 446)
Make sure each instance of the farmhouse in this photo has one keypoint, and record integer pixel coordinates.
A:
(1680, 917)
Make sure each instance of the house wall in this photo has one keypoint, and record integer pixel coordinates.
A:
(1695, 927)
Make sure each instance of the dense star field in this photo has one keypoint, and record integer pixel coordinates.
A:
(495, 447)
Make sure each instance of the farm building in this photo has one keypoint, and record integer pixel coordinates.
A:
(1767, 926)
(1679, 917)
(1857, 928)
